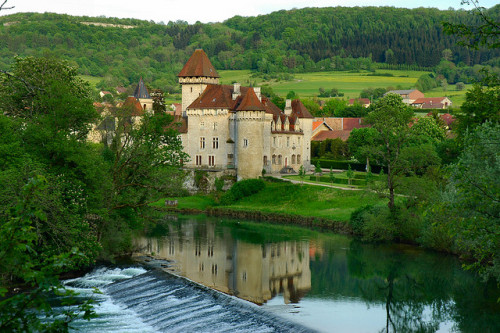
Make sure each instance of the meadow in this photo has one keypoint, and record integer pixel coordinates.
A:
(351, 84)
(307, 85)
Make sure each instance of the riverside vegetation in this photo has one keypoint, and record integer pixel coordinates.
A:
(66, 202)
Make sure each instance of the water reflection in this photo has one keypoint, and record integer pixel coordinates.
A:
(254, 272)
(329, 282)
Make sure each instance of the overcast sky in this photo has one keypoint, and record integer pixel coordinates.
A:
(200, 10)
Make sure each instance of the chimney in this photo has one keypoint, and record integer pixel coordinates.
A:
(257, 92)
(288, 107)
(236, 90)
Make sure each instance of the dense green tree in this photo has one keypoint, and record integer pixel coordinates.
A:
(390, 118)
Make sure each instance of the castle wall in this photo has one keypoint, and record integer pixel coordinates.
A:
(249, 143)
(207, 139)
(192, 87)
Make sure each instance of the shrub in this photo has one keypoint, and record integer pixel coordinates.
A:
(344, 165)
(241, 190)
(373, 223)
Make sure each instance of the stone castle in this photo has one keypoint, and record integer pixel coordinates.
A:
(234, 127)
(228, 128)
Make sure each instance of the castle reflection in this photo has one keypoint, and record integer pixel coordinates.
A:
(252, 271)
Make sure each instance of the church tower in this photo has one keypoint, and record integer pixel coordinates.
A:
(142, 95)
(194, 77)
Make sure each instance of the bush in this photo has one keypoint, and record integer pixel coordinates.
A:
(241, 190)
(344, 165)
(335, 180)
(373, 223)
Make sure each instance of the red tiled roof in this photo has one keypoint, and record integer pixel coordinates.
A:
(323, 135)
(133, 103)
(316, 124)
(271, 108)
(433, 100)
(250, 102)
(350, 123)
(299, 109)
(362, 101)
(198, 65)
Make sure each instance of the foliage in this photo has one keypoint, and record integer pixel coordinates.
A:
(471, 200)
(484, 31)
(425, 83)
(242, 189)
(302, 173)
(23, 261)
(300, 40)
(427, 130)
(481, 105)
(390, 118)
(350, 174)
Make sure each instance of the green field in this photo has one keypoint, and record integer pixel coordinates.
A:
(351, 84)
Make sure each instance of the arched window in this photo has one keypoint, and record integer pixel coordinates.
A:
(274, 159)
(293, 159)
(279, 159)
(298, 159)
(265, 160)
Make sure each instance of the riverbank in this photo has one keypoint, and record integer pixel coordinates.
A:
(286, 203)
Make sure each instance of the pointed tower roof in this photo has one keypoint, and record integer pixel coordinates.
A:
(141, 91)
(198, 65)
(251, 102)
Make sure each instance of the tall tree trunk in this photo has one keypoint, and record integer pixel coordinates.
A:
(390, 186)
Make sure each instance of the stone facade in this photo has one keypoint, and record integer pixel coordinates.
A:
(235, 127)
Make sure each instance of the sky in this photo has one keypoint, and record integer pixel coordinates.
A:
(202, 10)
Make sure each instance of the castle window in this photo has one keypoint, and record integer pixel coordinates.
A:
(274, 159)
(279, 159)
(202, 142)
(215, 143)
(191, 89)
(198, 159)
(298, 159)
(288, 141)
(265, 160)
(298, 141)
(293, 159)
(245, 143)
(202, 124)
(211, 160)
(215, 126)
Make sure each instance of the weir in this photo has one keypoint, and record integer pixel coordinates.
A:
(175, 304)
(134, 300)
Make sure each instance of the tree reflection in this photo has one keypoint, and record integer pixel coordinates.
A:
(419, 290)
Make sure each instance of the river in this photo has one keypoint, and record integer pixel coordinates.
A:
(244, 276)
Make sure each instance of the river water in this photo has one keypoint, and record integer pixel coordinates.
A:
(243, 276)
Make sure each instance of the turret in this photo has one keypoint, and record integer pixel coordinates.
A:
(197, 73)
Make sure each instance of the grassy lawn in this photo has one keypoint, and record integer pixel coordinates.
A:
(93, 80)
(295, 199)
(307, 200)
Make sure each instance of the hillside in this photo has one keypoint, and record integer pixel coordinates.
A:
(303, 40)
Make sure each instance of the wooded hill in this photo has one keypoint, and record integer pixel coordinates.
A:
(310, 39)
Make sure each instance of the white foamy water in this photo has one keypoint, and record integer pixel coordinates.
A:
(112, 316)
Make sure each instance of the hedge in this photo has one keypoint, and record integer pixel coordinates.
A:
(344, 181)
(344, 165)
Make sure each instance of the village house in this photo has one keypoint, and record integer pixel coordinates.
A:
(235, 127)
(334, 128)
(432, 103)
(409, 96)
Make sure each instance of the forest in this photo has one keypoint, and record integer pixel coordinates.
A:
(300, 40)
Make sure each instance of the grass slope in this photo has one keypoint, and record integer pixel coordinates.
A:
(294, 199)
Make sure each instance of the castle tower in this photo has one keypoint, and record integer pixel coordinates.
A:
(194, 77)
(142, 95)
(250, 125)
